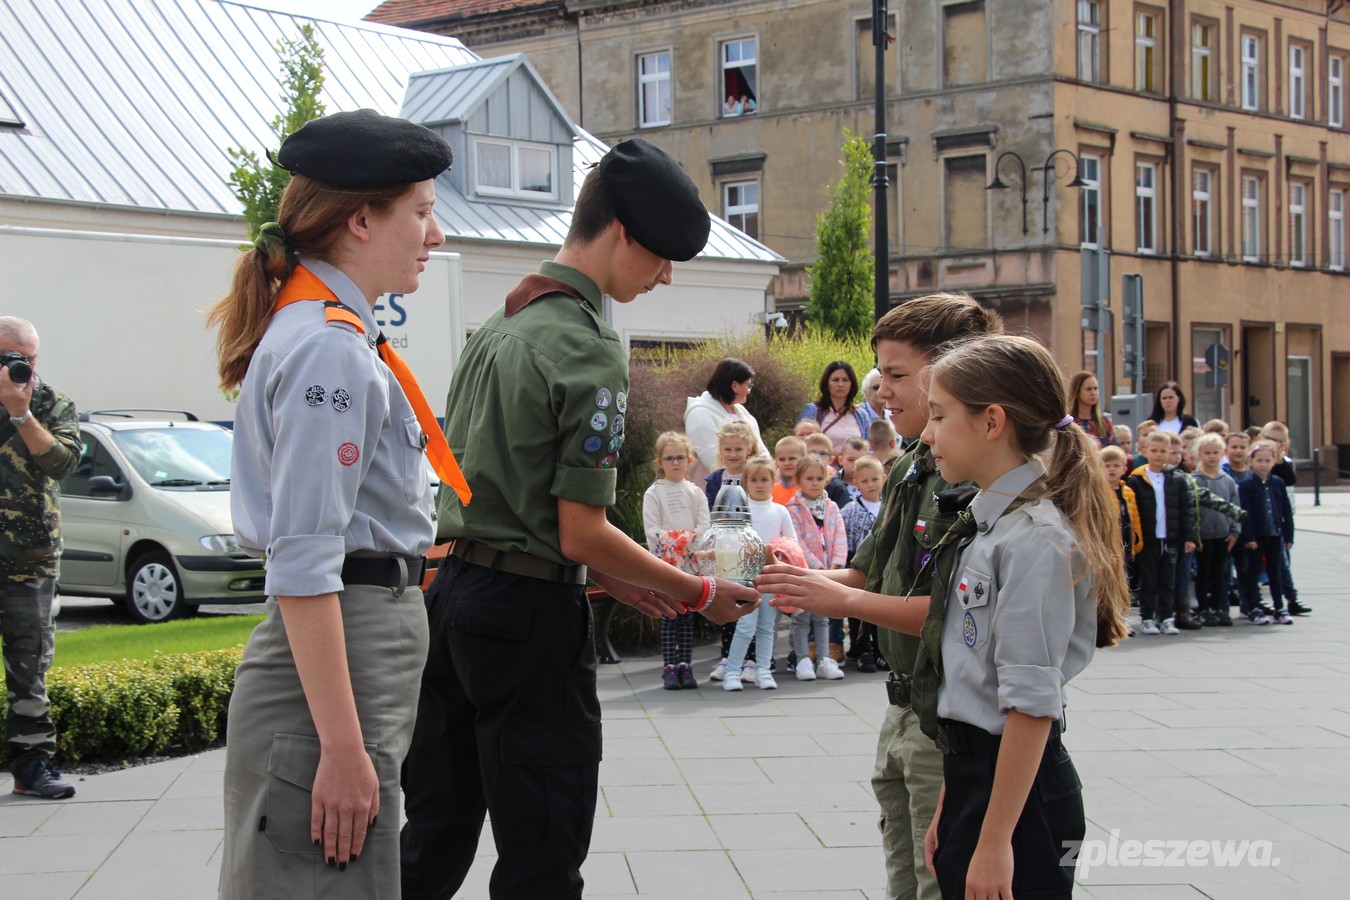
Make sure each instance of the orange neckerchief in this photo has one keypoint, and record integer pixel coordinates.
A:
(305, 285)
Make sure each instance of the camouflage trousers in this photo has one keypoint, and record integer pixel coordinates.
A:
(27, 636)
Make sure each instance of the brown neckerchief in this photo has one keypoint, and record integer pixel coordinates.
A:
(534, 286)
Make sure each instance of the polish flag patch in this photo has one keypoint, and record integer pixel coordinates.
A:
(920, 525)
(963, 585)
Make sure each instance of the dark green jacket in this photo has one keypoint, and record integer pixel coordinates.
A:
(30, 493)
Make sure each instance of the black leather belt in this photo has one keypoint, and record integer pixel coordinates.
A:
(389, 570)
(898, 689)
(517, 563)
(962, 737)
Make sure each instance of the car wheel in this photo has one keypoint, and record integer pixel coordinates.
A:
(154, 591)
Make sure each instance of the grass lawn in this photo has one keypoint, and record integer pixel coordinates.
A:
(111, 643)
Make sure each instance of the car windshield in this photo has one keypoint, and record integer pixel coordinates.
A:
(178, 457)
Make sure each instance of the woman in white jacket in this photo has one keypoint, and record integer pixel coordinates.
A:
(724, 399)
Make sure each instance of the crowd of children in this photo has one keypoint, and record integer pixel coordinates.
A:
(1206, 517)
(807, 503)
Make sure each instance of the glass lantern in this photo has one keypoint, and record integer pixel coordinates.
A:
(731, 548)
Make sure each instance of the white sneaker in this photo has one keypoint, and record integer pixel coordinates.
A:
(766, 682)
(806, 670)
(749, 670)
(829, 670)
(1149, 626)
(1169, 626)
(732, 682)
(719, 670)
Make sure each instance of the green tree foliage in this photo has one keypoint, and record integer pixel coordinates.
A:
(842, 277)
(257, 183)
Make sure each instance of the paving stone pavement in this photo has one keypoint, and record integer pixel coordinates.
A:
(1236, 734)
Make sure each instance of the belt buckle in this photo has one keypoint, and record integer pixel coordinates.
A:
(899, 690)
(943, 742)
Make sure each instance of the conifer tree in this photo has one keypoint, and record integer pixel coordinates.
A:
(842, 277)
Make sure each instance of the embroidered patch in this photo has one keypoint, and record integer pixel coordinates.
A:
(592, 444)
(617, 425)
(606, 462)
(969, 633)
(348, 454)
(342, 401)
(599, 421)
(919, 526)
(315, 395)
(621, 402)
(964, 585)
(979, 589)
(602, 398)
(615, 443)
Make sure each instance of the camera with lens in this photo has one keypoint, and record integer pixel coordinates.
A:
(20, 369)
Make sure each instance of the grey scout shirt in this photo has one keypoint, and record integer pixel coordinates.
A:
(536, 414)
(328, 454)
(1021, 620)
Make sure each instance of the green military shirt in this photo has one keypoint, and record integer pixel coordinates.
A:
(30, 492)
(913, 527)
(535, 414)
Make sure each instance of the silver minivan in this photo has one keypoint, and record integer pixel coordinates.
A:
(146, 518)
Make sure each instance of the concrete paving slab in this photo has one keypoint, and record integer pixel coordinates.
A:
(1236, 735)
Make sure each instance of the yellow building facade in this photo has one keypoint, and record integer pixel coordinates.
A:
(1210, 138)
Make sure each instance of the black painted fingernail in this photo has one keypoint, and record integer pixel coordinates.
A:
(342, 867)
(317, 842)
(355, 857)
(331, 862)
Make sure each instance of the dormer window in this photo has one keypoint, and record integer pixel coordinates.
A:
(516, 169)
(8, 115)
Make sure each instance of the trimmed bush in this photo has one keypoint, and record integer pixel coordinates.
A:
(140, 707)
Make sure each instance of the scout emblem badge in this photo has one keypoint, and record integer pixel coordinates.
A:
(969, 633)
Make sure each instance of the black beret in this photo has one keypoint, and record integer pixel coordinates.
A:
(363, 149)
(655, 199)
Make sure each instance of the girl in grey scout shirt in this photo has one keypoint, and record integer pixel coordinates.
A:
(330, 486)
(1038, 586)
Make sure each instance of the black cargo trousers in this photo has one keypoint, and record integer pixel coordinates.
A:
(508, 723)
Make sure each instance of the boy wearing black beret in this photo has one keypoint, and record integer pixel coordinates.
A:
(508, 720)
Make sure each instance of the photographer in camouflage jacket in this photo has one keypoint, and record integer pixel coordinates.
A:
(39, 445)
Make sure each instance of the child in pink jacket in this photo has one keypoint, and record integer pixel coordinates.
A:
(820, 531)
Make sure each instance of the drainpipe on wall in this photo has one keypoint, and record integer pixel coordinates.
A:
(1176, 128)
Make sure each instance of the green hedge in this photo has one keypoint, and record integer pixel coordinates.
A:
(140, 707)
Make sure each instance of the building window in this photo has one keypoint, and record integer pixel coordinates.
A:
(865, 58)
(1251, 72)
(509, 169)
(1298, 82)
(1146, 207)
(1090, 201)
(1202, 211)
(1298, 224)
(653, 70)
(740, 81)
(1089, 40)
(1336, 91)
(1147, 76)
(1251, 218)
(965, 42)
(964, 211)
(1204, 79)
(1336, 230)
(740, 206)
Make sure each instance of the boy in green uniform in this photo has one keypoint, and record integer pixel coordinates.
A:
(909, 555)
(508, 721)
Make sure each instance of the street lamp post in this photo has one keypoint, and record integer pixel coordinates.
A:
(881, 291)
(1048, 176)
